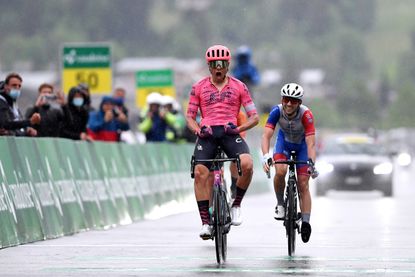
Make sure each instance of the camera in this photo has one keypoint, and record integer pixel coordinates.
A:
(50, 98)
(115, 112)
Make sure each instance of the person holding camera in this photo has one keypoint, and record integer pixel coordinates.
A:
(106, 123)
(11, 119)
(49, 106)
(155, 119)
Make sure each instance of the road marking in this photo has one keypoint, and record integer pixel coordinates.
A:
(235, 270)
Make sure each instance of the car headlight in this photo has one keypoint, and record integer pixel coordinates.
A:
(324, 167)
(383, 168)
(404, 159)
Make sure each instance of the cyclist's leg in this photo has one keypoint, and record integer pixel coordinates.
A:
(234, 145)
(303, 183)
(305, 196)
(205, 149)
(234, 177)
(280, 154)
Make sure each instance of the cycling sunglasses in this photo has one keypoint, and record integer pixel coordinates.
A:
(293, 101)
(220, 63)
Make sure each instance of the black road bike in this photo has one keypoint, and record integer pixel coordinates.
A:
(220, 220)
(292, 217)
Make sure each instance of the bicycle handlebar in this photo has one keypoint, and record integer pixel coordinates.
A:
(287, 162)
(216, 160)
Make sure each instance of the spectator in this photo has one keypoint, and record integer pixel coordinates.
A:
(11, 121)
(50, 109)
(244, 69)
(119, 94)
(155, 120)
(85, 90)
(105, 123)
(76, 116)
(174, 132)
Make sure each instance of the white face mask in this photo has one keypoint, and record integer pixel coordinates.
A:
(78, 101)
(14, 93)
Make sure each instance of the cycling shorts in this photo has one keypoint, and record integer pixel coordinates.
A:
(283, 148)
(206, 148)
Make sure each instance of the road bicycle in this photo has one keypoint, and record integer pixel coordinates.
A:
(292, 217)
(220, 220)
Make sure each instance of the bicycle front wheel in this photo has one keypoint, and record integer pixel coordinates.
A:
(291, 220)
(218, 227)
(225, 220)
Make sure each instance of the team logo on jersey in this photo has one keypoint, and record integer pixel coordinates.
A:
(238, 140)
(309, 118)
(199, 147)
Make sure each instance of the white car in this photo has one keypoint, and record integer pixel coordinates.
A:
(354, 162)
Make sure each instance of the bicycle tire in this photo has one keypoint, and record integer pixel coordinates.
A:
(217, 226)
(291, 220)
(224, 218)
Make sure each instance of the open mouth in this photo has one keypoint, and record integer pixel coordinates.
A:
(218, 74)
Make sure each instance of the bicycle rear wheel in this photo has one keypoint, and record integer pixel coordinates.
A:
(290, 224)
(218, 227)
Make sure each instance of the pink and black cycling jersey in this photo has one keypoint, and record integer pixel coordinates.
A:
(294, 130)
(219, 107)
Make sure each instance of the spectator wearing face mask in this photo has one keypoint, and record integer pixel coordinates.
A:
(50, 109)
(76, 116)
(12, 122)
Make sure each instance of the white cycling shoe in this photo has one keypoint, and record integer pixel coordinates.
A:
(206, 232)
(279, 212)
(236, 216)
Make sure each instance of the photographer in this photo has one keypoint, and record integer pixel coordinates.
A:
(106, 123)
(49, 106)
(155, 119)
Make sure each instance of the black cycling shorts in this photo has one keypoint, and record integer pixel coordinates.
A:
(232, 145)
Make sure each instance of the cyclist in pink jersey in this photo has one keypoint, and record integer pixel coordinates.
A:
(219, 98)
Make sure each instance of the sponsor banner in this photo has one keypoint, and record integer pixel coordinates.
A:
(63, 183)
(148, 81)
(116, 206)
(8, 218)
(47, 201)
(73, 162)
(88, 63)
(27, 206)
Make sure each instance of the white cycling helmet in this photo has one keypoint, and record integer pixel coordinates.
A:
(292, 90)
(154, 98)
(166, 100)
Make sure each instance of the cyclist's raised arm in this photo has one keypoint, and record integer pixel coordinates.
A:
(192, 109)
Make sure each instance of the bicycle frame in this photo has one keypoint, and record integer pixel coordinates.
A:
(221, 218)
(291, 202)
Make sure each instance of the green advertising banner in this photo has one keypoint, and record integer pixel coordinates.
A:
(26, 204)
(50, 211)
(58, 174)
(8, 218)
(114, 203)
(73, 163)
(52, 187)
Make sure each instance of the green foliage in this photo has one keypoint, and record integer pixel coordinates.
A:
(402, 112)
